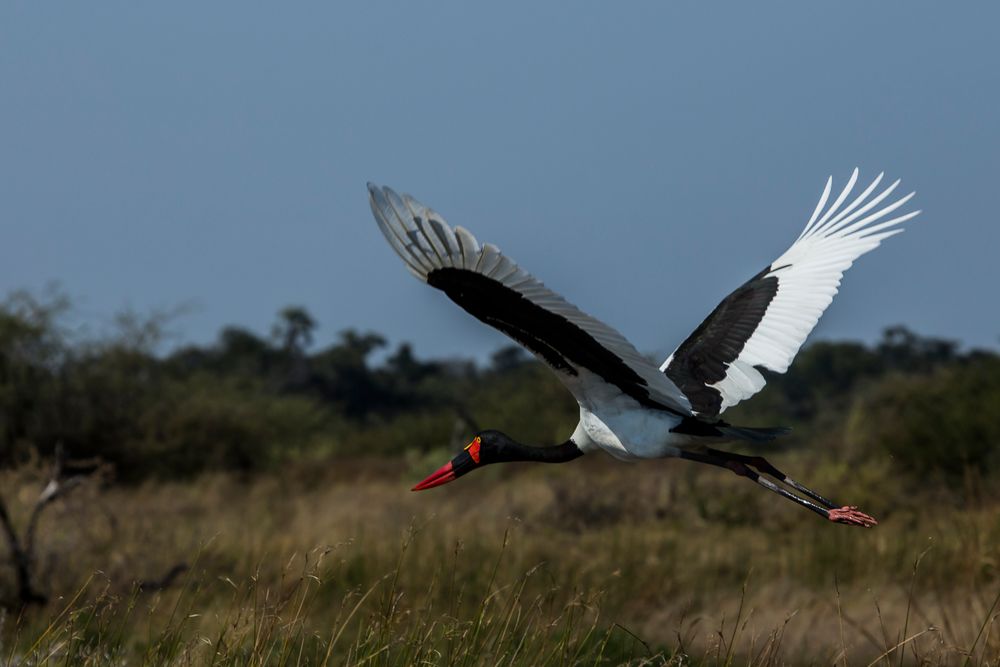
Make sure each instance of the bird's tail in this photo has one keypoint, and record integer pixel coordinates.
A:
(754, 434)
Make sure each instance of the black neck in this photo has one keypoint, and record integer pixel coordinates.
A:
(512, 450)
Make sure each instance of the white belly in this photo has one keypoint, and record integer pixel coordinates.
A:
(627, 431)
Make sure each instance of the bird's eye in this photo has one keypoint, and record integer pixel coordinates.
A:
(473, 448)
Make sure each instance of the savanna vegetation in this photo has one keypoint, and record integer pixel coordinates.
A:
(246, 502)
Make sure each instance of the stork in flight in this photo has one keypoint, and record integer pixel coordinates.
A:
(629, 408)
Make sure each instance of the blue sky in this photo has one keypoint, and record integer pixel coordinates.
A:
(641, 158)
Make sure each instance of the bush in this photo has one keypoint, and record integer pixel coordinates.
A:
(945, 421)
(207, 423)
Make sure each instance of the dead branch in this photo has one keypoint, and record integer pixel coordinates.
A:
(57, 487)
(26, 593)
(22, 551)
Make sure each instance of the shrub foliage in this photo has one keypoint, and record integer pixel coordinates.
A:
(248, 401)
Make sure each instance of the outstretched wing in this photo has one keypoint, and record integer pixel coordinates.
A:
(584, 352)
(765, 321)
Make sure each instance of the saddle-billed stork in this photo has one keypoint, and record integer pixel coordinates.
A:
(629, 408)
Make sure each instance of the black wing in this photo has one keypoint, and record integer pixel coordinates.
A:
(586, 354)
(765, 321)
(706, 356)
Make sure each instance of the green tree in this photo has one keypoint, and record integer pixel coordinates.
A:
(940, 423)
(294, 329)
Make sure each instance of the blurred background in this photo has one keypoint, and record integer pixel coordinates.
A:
(217, 382)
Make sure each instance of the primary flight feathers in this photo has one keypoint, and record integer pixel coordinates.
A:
(493, 288)
(764, 322)
(761, 324)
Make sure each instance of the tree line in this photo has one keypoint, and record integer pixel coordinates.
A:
(249, 402)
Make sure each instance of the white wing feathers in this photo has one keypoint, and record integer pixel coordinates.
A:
(808, 275)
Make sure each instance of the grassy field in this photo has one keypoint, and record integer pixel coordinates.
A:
(593, 562)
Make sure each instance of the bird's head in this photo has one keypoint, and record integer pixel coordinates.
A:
(486, 447)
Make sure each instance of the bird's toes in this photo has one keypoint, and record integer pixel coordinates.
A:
(851, 516)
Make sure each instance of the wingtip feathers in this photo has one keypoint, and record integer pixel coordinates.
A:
(850, 221)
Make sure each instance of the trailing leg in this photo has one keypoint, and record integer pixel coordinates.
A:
(741, 465)
(764, 466)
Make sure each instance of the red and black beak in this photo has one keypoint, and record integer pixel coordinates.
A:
(450, 471)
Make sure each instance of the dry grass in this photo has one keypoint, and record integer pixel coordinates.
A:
(589, 563)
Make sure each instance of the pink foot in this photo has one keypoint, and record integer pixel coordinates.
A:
(851, 516)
